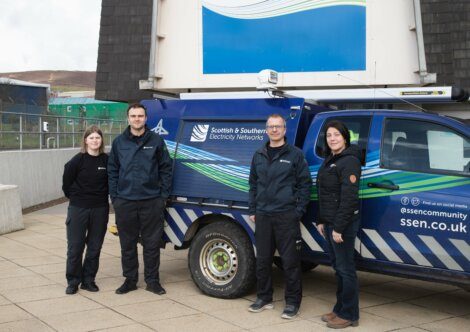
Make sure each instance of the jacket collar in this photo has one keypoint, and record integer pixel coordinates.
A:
(264, 149)
(129, 135)
(352, 150)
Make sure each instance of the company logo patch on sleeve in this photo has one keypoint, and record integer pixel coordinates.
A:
(352, 178)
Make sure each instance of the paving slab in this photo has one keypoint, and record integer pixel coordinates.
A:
(62, 305)
(297, 325)
(4, 301)
(49, 268)
(314, 287)
(42, 260)
(181, 288)
(109, 283)
(193, 323)
(19, 250)
(456, 302)
(278, 294)
(26, 325)
(407, 313)
(91, 320)
(23, 282)
(397, 291)
(313, 307)
(175, 275)
(374, 323)
(156, 310)
(15, 272)
(57, 277)
(11, 313)
(128, 328)
(32, 294)
(209, 304)
(41, 227)
(111, 299)
(448, 325)
(244, 319)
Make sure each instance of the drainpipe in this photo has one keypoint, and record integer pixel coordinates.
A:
(153, 39)
(425, 77)
(150, 82)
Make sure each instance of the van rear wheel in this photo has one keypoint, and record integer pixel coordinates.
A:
(221, 260)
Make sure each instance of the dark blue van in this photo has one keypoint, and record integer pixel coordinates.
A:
(415, 188)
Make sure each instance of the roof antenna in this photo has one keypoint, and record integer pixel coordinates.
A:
(375, 81)
(385, 92)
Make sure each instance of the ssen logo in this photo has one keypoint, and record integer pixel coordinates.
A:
(199, 133)
(159, 128)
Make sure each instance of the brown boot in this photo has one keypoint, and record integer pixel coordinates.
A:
(339, 323)
(327, 317)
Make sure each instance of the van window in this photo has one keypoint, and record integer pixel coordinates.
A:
(427, 147)
(358, 130)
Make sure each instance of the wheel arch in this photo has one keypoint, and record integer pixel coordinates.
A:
(205, 220)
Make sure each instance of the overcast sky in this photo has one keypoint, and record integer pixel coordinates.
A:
(49, 34)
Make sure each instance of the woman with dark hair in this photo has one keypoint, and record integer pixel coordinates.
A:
(85, 183)
(338, 220)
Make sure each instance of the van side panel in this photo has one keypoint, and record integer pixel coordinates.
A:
(212, 143)
(422, 223)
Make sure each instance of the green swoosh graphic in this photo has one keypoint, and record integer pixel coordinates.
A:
(408, 182)
(226, 179)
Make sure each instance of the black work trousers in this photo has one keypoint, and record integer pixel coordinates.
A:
(144, 218)
(84, 227)
(279, 231)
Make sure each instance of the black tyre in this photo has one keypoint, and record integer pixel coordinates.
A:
(221, 260)
(306, 265)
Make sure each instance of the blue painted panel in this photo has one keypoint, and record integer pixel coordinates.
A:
(323, 39)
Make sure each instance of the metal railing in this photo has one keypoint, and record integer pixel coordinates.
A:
(19, 131)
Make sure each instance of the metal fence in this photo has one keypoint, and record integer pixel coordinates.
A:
(20, 131)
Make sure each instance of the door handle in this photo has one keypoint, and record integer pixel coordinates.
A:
(389, 186)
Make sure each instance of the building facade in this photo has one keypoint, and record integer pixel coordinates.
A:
(125, 41)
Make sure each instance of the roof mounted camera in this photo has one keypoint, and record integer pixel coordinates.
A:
(267, 80)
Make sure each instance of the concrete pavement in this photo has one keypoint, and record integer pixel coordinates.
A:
(32, 294)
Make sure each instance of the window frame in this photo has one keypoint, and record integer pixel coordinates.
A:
(419, 120)
(339, 118)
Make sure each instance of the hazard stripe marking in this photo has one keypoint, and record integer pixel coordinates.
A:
(176, 217)
(440, 252)
(463, 247)
(357, 245)
(171, 235)
(191, 215)
(382, 245)
(249, 222)
(363, 249)
(308, 238)
(410, 249)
